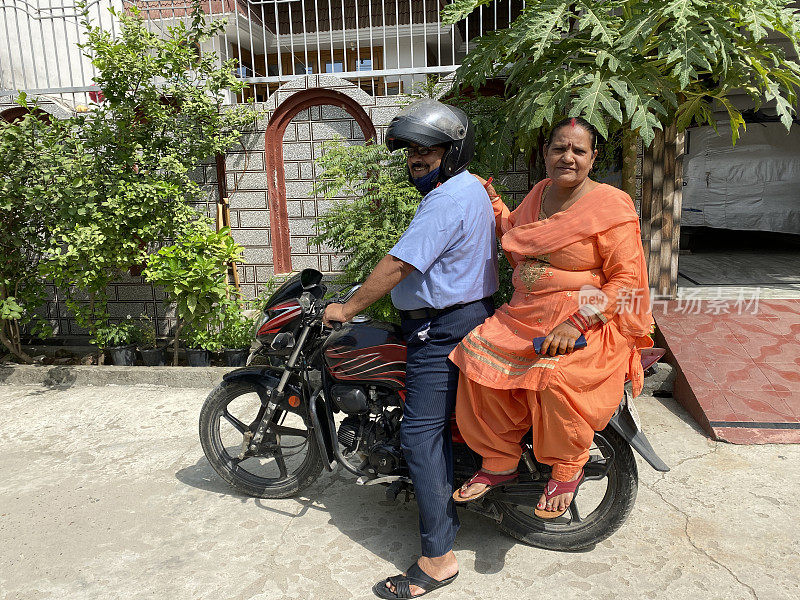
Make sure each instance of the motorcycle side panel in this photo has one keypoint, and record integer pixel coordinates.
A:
(367, 353)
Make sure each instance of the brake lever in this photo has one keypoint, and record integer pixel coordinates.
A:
(335, 325)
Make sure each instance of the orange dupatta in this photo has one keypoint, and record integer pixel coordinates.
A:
(593, 213)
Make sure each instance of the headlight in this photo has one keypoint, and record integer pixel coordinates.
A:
(259, 322)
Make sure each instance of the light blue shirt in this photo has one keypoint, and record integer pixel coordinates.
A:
(451, 243)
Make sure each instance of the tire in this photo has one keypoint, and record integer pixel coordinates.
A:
(251, 475)
(613, 507)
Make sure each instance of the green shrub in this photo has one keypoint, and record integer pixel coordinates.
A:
(236, 329)
(122, 181)
(202, 336)
(194, 273)
(113, 334)
(375, 204)
(29, 155)
(149, 334)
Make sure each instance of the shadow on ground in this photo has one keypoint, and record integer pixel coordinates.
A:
(367, 518)
(56, 378)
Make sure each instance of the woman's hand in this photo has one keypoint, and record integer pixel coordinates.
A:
(561, 340)
(489, 188)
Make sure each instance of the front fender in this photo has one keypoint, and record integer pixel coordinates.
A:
(266, 375)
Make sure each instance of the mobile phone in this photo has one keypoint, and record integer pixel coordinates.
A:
(538, 341)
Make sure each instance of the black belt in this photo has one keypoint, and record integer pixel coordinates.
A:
(430, 313)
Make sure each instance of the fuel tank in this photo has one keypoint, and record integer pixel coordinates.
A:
(368, 352)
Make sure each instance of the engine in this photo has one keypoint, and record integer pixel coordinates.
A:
(375, 438)
(366, 360)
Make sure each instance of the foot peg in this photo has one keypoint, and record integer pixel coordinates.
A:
(393, 489)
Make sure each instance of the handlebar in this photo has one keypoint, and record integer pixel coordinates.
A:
(320, 305)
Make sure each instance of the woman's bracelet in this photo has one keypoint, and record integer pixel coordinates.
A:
(582, 319)
(576, 324)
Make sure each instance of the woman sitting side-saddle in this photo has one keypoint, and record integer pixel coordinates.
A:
(579, 269)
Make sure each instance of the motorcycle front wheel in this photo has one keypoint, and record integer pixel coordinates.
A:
(602, 504)
(288, 459)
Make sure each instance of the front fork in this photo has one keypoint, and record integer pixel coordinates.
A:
(275, 395)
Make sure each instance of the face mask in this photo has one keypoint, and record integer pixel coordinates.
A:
(427, 182)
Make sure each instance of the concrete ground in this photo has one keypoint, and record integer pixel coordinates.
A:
(105, 493)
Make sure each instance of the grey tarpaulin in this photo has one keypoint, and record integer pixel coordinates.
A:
(754, 185)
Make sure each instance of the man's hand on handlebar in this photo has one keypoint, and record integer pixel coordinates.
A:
(335, 313)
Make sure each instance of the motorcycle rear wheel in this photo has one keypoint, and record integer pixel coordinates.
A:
(231, 411)
(574, 531)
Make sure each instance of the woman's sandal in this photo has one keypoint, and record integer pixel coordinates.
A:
(489, 479)
(556, 488)
(402, 584)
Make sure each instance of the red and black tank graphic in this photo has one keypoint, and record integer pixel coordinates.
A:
(367, 353)
(384, 364)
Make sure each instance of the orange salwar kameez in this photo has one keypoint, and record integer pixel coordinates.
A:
(559, 263)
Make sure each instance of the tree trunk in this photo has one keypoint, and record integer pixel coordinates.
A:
(9, 334)
(13, 344)
(537, 165)
(629, 143)
(178, 328)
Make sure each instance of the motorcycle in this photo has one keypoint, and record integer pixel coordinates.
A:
(312, 397)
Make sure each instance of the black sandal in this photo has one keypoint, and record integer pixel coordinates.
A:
(402, 584)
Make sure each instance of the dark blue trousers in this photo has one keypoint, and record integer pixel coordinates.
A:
(431, 382)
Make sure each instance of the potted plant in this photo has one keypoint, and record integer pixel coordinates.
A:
(193, 272)
(199, 342)
(119, 341)
(153, 355)
(236, 334)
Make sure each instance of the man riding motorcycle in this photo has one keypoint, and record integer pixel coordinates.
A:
(441, 274)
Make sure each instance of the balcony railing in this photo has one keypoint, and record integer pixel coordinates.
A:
(383, 46)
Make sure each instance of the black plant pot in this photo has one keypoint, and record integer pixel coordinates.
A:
(123, 356)
(154, 357)
(236, 357)
(197, 357)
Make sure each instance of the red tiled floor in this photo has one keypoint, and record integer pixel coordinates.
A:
(791, 397)
(742, 376)
(697, 374)
(780, 351)
(741, 371)
(782, 375)
(761, 407)
(736, 435)
(715, 405)
(773, 323)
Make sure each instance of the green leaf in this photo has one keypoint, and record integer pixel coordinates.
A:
(460, 9)
(603, 23)
(591, 101)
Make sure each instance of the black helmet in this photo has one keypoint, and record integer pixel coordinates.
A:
(430, 123)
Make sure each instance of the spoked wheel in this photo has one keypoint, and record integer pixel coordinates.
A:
(287, 459)
(603, 502)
